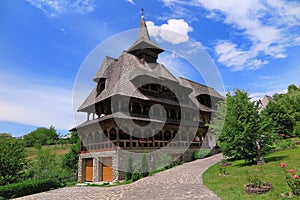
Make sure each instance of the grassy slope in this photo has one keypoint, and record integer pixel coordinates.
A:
(58, 150)
(232, 186)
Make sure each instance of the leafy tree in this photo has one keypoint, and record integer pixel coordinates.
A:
(74, 137)
(42, 136)
(70, 160)
(284, 113)
(45, 166)
(278, 118)
(241, 132)
(12, 160)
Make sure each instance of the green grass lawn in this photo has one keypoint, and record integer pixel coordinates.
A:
(58, 150)
(232, 186)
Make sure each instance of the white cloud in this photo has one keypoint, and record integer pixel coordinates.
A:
(34, 102)
(131, 1)
(174, 31)
(54, 8)
(271, 27)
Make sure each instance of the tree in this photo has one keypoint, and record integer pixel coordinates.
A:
(70, 160)
(278, 118)
(74, 137)
(45, 166)
(240, 132)
(284, 113)
(12, 160)
(42, 136)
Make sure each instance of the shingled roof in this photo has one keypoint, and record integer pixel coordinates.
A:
(143, 41)
(200, 89)
(120, 75)
(102, 72)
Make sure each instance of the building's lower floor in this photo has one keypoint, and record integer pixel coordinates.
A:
(111, 165)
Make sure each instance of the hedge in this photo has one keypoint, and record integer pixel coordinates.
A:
(28, 187)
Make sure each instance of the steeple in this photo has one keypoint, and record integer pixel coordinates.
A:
(144, 48)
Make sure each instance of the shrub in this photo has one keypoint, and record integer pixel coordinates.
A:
(285, 144)
(292, 179)
(28, 187)
(144, 166)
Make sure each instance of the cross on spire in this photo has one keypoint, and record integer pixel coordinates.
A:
(142, 12)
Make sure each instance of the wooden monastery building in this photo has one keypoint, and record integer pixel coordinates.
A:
(138, 107)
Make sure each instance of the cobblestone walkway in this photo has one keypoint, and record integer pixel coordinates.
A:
(182, 182)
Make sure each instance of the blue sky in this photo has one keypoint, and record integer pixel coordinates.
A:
(255, 45)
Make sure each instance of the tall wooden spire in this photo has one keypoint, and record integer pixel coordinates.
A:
(144, 47)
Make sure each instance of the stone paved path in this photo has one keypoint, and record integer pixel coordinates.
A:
(182, 182)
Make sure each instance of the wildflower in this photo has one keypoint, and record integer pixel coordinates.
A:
(283, 165)
(296, 176)
(291, 171)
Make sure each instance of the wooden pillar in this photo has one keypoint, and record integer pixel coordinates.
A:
(88, 117)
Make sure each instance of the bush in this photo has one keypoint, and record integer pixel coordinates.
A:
(285, 144)
(28, 187)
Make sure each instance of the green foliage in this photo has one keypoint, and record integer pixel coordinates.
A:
(232, 186)
(140, 168)
(129, 169)
(165, 161)
(70, 160)
(217, 124)
(28, 187)
(45, 166)
(284, 144)
(136, 170)
(278, 118)
(284, 113)
(241, 130)
(74, 137)
(12, 160)
(160, 169)
(42, 136)
(202, 153)
(144, 166)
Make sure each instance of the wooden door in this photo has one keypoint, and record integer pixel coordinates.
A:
(107, 172)
(89, 169)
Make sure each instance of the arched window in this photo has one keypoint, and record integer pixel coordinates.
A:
(136, 108)
(167, 136)
(158, 136)
(173, 114)
(112, 134)
(124, 134)
(154, 87)
(100, 86)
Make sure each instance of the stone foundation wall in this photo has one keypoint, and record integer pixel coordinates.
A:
(155, 159)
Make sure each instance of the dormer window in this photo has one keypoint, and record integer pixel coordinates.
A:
(100, 86)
